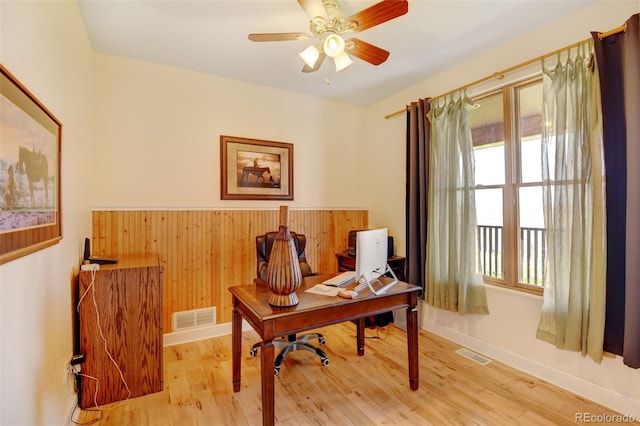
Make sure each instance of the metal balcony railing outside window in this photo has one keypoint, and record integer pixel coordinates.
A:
(490, 251)
(533, 253)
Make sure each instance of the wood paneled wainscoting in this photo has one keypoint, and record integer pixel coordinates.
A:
(203, 252)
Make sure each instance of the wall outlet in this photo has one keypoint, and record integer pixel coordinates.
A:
(72, 367)
(68, 372)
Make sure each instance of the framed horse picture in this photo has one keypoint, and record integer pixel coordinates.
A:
(253, 169)
(30, 208)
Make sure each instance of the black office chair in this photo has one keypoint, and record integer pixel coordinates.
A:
(264, 244)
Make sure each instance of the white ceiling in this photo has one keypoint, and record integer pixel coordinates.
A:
(210, 36)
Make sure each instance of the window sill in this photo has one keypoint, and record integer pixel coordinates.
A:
(523, 288)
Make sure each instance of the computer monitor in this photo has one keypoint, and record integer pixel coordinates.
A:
(371, 258)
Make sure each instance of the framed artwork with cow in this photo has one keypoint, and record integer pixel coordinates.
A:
(253, 169)
(30, 207)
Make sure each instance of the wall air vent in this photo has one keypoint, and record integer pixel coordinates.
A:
(194, 318)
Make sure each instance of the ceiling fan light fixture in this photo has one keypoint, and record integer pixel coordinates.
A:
(310, 55)
(342, 61)
(333, 45)
(327, 24)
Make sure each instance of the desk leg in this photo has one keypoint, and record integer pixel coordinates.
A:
(412, 346)
(268, 383)
(236, 348)
(360, 336)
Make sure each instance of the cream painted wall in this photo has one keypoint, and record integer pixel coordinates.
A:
(151, 140)
(44, 44)
(508, 333)
(159, 128)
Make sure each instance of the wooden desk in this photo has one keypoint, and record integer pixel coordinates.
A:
(251, 303)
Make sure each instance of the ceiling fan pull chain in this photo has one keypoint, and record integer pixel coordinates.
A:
(326, 75)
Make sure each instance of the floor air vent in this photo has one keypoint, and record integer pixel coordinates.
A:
(185, 320)
(473, 356)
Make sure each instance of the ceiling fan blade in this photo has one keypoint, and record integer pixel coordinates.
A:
(313, 8)
(367, 51)
(377, 14)
(316, 66)
(278, 36)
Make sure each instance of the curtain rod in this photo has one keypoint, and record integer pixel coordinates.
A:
(620, 29)
(500, 74)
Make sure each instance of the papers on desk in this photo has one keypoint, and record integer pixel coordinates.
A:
(325, 290)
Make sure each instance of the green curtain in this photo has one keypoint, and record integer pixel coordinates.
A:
(453, 280)
(573, 308)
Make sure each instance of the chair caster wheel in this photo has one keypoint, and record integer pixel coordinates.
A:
(253, 352)
(325, 361)
(322, 341)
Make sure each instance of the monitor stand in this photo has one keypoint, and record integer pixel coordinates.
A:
(366, 283)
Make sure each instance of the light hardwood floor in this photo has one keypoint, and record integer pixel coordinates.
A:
(352, 390)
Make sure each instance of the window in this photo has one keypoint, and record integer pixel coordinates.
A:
(506, 129)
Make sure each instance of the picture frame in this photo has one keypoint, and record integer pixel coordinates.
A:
(253, 169)
(30, 202)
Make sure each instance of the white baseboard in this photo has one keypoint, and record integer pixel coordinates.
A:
(200, 333)
(606, 397)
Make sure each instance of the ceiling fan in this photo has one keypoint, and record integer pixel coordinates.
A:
(327, 24)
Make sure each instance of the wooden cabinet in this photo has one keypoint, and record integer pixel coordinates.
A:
(348, 263)
(120, 312)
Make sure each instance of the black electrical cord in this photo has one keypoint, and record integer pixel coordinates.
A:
(97, 410)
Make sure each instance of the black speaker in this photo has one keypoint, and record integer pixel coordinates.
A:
(390, 250)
